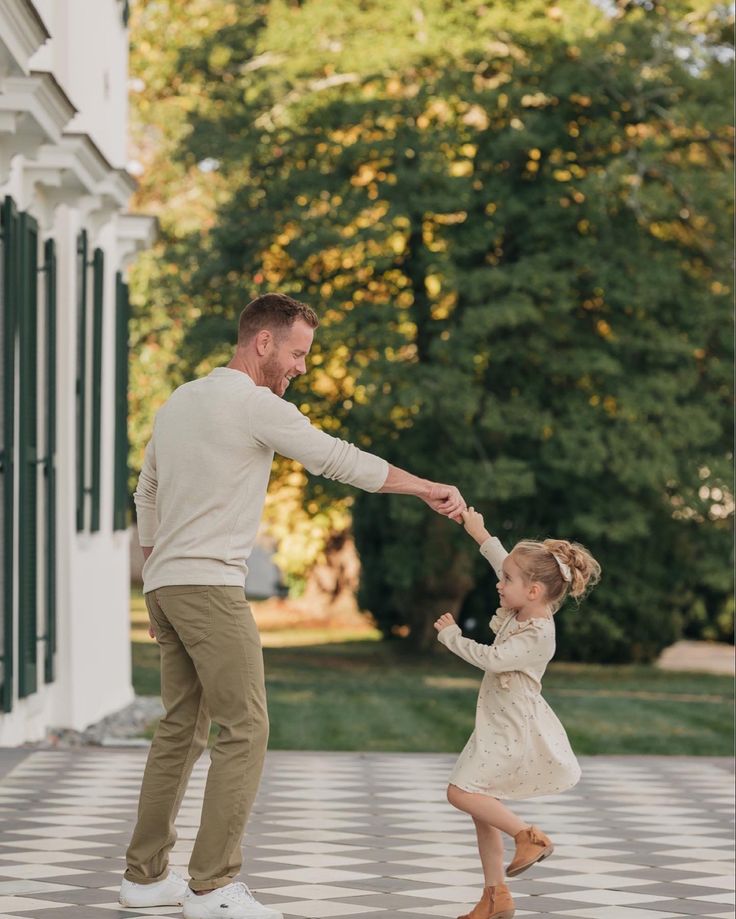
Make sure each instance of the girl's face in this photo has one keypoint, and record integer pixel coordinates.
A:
(512, 589)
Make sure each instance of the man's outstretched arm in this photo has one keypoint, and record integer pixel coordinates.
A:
(445, 499)
(281, 426)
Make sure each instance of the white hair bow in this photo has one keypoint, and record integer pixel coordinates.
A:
(565, 569)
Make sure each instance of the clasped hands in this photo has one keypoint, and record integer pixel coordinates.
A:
(446, 500)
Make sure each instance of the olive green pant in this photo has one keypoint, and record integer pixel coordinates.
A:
(211, 668)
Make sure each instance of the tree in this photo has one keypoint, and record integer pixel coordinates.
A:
(512, 217)
(184, 195)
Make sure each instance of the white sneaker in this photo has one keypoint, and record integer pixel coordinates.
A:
(234, 901)
(173, 890)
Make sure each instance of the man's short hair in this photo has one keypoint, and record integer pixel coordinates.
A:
(275, 312)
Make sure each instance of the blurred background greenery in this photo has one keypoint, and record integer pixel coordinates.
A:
(329, 689)
(514, 220)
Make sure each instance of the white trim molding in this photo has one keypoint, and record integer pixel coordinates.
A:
(74, 172)
(34, 110)
(22, 33)
(134, 233)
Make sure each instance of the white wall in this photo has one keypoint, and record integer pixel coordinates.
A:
(87, 55)
(95, 655)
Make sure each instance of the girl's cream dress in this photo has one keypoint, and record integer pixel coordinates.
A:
(518, 749)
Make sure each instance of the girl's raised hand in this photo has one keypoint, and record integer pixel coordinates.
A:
(475, 525)
(445, 620)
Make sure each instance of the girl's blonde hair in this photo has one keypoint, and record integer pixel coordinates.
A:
(540, 562)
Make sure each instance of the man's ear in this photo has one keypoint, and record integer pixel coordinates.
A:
(263, 341)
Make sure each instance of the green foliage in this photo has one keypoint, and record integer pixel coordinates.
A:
(512, 219)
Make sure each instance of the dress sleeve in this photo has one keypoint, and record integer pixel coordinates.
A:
(145, 497)
(530, 646)
(494, 553)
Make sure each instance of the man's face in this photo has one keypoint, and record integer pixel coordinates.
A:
(286, 357)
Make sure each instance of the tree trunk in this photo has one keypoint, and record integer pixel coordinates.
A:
(443, 587)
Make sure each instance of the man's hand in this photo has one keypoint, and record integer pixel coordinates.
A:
(446, 500)
(475, 526)
(445, 620)
(146, 550)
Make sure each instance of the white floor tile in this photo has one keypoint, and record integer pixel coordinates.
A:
(328, 829)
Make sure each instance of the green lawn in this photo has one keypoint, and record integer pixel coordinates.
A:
(367, 695)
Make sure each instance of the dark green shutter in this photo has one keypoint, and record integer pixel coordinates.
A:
(28, 457)
(81, 382)
(50, 458)
(19, 326)
(98, 273)
(121, 404)
(8, 329)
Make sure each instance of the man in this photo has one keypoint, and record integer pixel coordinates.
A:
(199, 501)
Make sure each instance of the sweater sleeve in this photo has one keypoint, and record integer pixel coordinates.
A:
(494, 553)
(280, 425)
(529, 646)
(145, 497)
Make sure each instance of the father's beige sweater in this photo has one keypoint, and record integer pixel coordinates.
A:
(203, 484)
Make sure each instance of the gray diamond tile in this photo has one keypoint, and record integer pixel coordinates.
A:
(369, 836)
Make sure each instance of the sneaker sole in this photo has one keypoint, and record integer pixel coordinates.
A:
(545, 853)
(271, 915)
(124, 901)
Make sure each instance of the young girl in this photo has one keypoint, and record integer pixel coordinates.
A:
(518, 749)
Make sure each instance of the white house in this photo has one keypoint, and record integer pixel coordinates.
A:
(66, 239)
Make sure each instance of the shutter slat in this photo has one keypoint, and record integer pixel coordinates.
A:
(81, 382)
(98, 271)
(28, 458)
(50, 466)
(121, 404)
(8, 326)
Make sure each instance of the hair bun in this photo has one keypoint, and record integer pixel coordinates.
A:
(585, 571)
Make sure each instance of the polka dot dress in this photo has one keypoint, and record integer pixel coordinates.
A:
(519, 748)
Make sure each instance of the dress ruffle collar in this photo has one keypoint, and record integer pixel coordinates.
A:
(502, 617)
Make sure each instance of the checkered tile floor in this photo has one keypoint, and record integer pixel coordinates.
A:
(371, 837)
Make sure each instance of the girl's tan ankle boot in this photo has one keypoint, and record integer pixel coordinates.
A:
(532, 846)
(495, 903)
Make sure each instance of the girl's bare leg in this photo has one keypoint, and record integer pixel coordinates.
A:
(486, 809)
(490, 847)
